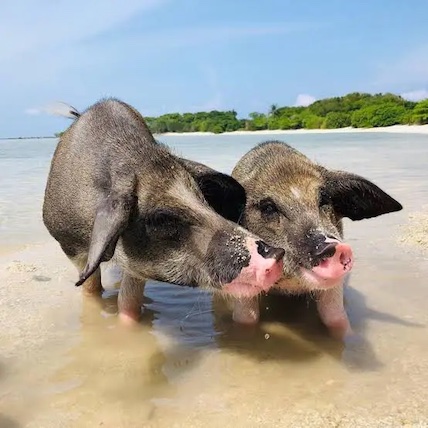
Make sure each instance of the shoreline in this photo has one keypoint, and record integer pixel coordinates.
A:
(27, 138)
(395, 129)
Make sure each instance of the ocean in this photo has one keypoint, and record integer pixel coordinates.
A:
(390, 159)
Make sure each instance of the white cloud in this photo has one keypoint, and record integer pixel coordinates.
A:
(409, 69)
(304, 100)
(28, 26)
(32, 111)
(83, 50)
(42, 48)
(48, 42)
(419, 95)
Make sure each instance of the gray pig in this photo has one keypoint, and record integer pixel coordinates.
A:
(112, 190)
(298, 205)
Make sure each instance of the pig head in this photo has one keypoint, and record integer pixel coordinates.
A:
(113, 192)
(299, 205)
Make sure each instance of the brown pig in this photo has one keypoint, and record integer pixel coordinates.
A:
(113, 192)
(298, 205)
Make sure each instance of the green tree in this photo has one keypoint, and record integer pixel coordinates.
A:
(337, 119)
(311, 121)
(258, 121)
(378, 115)
(420, 113)
(273, 111)
(355, 109)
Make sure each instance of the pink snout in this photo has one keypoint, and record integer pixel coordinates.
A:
(332, 269)
(264, 270)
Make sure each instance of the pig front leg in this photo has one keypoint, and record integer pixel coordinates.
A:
(130, 299)
(246, 310)
(332, 312)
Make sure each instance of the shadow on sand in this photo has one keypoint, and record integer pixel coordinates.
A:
(6, 422)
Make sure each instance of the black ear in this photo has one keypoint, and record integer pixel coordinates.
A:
(110, 221)
(222, 192)
(355, 197)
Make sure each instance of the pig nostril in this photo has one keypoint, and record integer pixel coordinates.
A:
(268, 252)
(326, 251)
(262, 248)
(278, 254)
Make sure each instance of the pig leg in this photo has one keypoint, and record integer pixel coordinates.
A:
(246, 310)
(332, 312)
(130, 299)
(92, 286)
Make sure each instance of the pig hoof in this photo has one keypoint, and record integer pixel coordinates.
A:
(246, 311)
(340, 332)
(340, 329)
(128, 319)
(246, 319)
(92, 293)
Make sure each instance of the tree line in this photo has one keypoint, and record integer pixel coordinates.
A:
(358, 110)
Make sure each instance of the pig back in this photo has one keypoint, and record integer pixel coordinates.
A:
(109, 135)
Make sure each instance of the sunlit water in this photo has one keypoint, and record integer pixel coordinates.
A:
(65, 362)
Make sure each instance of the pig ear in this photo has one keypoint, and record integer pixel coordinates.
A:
(355, 197)
(222, 192)
(225, 195)
(110, 221)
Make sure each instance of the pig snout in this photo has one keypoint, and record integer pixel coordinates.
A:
(331, 260)
(262, 272)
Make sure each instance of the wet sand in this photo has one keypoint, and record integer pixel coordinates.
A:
(66, 362)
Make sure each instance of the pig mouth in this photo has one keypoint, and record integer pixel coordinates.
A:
(330, 270)
(243, 289)
(253, 285)
(256, 278)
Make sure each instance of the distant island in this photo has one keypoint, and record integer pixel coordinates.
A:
(356, 110)
(31, 138)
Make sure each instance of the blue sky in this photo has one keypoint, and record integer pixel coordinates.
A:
(190, 55)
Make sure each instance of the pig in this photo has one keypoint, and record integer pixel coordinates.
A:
(114, 193)
(299, 205)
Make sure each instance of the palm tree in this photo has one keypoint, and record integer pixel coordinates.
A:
(273, 111)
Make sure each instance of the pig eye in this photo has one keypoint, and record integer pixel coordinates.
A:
(268, 208)
(324, 199)
(165, 224)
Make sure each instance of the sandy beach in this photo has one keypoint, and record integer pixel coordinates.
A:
(65, 361)
(396, 129)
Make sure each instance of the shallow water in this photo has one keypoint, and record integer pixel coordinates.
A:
(65, 362)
